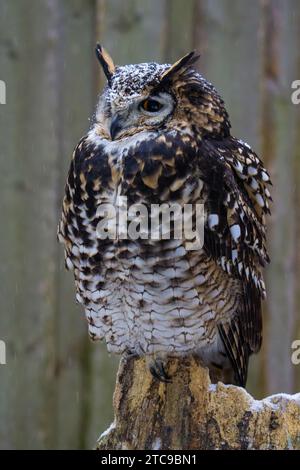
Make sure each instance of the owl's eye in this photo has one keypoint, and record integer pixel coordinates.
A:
(150, 105)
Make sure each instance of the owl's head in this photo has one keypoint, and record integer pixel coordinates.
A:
(158, 97)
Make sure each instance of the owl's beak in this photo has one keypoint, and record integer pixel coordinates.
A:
(115, 126)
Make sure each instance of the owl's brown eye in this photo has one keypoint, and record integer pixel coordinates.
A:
(150, 105)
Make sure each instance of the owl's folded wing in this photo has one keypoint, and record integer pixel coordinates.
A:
(237, 199)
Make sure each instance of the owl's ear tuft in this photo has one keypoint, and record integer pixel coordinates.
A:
(180, 66)
(106, 63)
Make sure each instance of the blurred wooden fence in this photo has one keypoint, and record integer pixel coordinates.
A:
(55, 391)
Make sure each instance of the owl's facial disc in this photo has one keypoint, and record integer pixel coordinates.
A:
(147, 112)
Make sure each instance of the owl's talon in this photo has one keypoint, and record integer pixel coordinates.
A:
(131, 354)
(158, 371)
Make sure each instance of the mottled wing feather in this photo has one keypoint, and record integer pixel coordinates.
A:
(88, 175)
(236, 237)
(237, 199)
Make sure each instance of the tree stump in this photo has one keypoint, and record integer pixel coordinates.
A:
(191, 413)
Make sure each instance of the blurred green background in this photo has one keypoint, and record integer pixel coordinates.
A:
(56, 389)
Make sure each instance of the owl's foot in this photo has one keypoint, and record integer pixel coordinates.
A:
(131, 353)
(157, 369)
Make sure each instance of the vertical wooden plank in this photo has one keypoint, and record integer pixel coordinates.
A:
(179, 28)
(99, 386)
(227, 35)
(131, 30)
(296, 367)
(281, 128)
(76, 106)
(29, 271)
(8, 180)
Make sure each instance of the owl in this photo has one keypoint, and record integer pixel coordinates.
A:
(161, 135)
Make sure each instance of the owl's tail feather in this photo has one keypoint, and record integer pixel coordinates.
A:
(237, 349)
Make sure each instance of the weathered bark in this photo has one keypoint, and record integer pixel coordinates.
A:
(190, 413)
